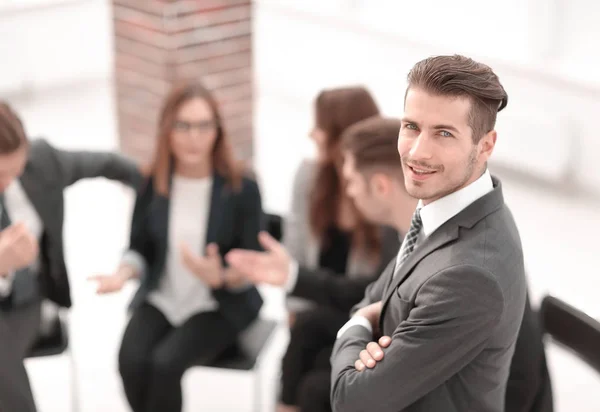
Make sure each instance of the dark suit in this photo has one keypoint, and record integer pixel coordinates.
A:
(154, 354)
(313, 333)
(453, 310)
(47, 173)
(342, 292)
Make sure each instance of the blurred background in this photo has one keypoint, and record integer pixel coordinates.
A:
(92, 73)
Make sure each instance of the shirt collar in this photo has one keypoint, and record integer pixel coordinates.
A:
(438, 212)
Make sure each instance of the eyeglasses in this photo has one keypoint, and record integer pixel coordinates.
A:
(203, 126)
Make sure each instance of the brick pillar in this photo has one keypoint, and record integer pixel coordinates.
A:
(160, 41)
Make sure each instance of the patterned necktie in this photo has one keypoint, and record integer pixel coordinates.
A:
(411, 238)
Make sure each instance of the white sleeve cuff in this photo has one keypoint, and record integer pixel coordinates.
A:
(6, 284)
(355, 321)
(136, 261)
(292, 276)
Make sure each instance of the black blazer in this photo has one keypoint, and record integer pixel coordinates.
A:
(235, 218)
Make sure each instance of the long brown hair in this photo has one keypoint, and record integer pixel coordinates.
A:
(223, 159)
(337, 109)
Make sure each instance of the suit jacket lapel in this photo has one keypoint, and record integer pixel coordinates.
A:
(215, 215)
(37, 192)
(445, 234)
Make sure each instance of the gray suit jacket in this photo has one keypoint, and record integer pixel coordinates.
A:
(47, 173)
(453, 311)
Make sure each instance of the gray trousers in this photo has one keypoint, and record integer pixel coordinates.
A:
(19, 328)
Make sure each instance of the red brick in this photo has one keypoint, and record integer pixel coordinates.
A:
(132, 78)
(200, 20)
(134, 63)
(143, 51)
(228, 78)
(141, 34)
(139, 18)
(211, 34)
(232, 93)
(210, 50)
(193, 6)
(152, 7)
(215, 65)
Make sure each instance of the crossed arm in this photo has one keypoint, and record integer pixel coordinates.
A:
(453, 316)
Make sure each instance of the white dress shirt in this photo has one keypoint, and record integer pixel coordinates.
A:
(20, 210)
(434, 215)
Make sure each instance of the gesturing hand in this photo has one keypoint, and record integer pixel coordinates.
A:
(18, 248)
(114, 282)
(207, 268)
(271, 266)
(369, 357)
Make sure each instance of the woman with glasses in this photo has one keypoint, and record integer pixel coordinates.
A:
(196, 205)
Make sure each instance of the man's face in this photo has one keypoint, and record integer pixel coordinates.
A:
(11, 166)
(372, 202)
(436, 145)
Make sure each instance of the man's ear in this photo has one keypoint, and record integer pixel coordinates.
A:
(487, 144)
(380, 183)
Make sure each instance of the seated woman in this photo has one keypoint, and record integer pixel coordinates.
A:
(195, 207)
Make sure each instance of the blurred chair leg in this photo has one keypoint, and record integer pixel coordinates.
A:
(257, 390)
(74, 382)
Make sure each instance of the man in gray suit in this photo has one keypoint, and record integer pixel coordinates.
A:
(33, 176)
(450, 307)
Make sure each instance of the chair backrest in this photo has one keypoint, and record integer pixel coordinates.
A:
(573, 329)
(253, 340)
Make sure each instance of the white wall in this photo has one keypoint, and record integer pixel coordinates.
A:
(53, 43)
(546, 53)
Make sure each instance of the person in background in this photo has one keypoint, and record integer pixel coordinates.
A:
(33, 177)
(330, 252)
(195, 206)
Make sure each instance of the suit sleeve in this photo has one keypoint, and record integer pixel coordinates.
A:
(454, 314)
(374, 292)
(77, 165)
(342, 292)
(252, 216)
(327, 288)
(252, 221)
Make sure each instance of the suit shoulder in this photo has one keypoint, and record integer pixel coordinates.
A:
(43, 157)
(40, 147)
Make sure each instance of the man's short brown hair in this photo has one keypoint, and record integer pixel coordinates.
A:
(459, 76)
(12, 133)
(373, 143)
